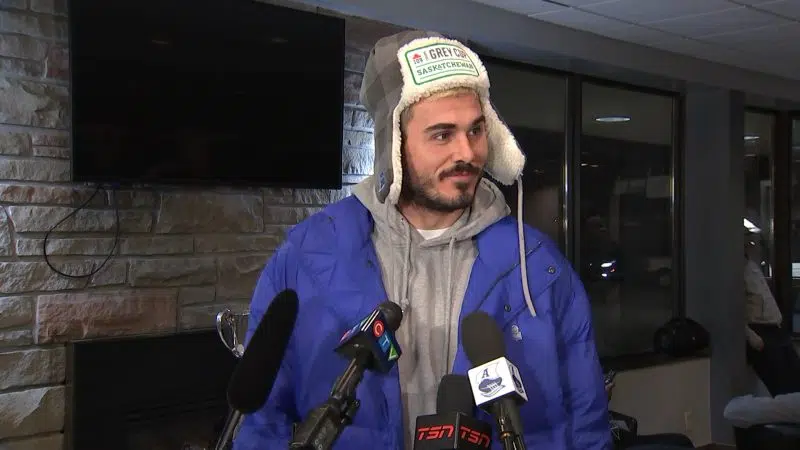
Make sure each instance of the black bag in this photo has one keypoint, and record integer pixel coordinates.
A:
(623, 429)
(681, 336)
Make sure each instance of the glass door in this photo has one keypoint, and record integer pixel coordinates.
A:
(794, 221)
(758, 222)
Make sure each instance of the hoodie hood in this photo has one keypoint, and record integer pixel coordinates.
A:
(488, 207)
(407, 67)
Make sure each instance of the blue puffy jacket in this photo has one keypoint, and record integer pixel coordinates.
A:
(330, 261)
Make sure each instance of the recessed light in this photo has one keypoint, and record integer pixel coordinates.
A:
(613, 119)
(751, 137)
(751, 227)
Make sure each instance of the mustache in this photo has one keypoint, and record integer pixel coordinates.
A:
(461, 168)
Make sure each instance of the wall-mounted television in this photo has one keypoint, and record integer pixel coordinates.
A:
(205, 93)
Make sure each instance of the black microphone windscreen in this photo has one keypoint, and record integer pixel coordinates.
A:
(481, 338)
(454, 395)
(393, 315)
(254, 375)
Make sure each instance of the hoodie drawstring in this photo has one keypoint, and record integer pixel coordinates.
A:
(523, 265)
(405, 274)
(450, 249)
(453, 310)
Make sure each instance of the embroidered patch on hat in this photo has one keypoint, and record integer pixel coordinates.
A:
(433, 62)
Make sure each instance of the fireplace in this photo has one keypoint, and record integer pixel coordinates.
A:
(147, 393)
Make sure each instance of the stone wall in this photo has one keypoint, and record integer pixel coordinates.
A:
(183, 255)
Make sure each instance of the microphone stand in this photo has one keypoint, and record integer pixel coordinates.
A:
(507, 426)
(229, 431)
(326, 422)
(226, 320)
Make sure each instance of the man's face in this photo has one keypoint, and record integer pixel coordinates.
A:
(444, 152)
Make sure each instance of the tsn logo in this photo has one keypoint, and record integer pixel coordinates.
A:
(446, 431)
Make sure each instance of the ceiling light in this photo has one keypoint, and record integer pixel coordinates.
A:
(613, 119)
(751, 137)
(750, 226)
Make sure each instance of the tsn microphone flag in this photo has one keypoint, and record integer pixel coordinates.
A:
(452, 427)
(451, 431)
(375, 333)
(495, 379)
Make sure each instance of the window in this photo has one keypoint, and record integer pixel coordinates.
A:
(624, 214)
(795, 222)
(534, 106)
(758, 215)
(617, 180)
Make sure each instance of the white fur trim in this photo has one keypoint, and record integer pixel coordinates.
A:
(459, 67)
(397, 162)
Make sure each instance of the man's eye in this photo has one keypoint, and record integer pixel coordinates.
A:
(443, 136)
(477, 131)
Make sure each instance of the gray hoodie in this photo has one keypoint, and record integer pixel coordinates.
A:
(428, 279)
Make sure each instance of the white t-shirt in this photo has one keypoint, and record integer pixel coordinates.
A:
(430, 234)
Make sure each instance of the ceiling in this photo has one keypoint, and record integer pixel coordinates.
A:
(760, 35)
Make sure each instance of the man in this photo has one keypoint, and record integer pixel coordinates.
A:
(428, 232)
(770, 351)
(747, 413)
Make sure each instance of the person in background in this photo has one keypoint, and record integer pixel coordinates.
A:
(770, 351)
(747, 411)
(429, 232)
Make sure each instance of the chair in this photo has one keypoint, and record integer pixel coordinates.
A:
(775, 436)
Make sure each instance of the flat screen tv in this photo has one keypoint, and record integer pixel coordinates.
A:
(205, 92)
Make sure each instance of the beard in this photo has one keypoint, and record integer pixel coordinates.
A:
(421, 189)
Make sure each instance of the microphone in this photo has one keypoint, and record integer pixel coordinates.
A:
(453, 427)
(370, 345)
(255, 373)
(496, 383)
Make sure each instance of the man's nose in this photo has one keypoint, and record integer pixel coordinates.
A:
(463, 148)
